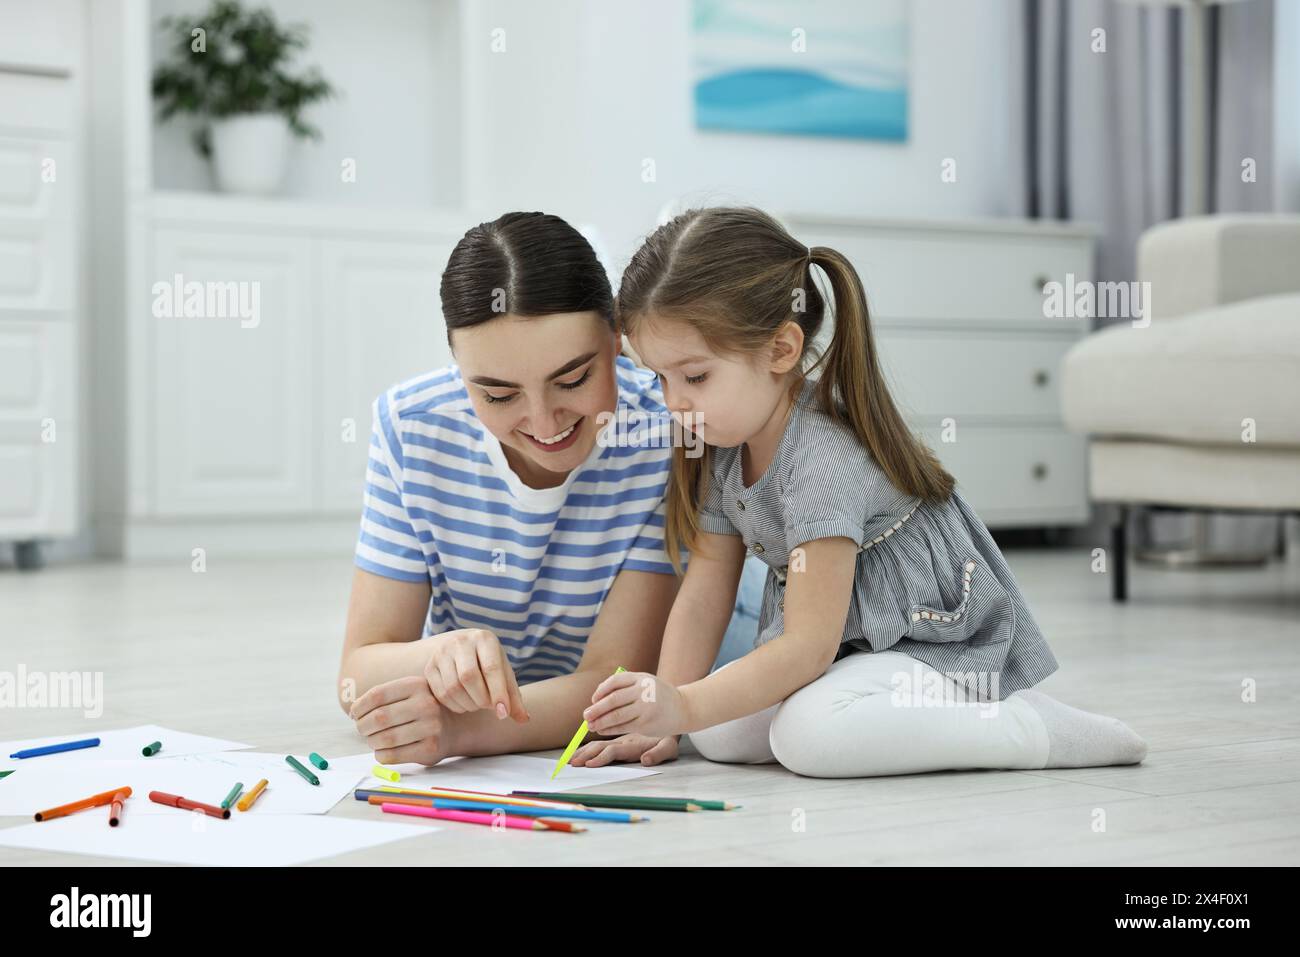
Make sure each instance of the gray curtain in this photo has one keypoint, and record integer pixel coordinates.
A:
(1096, 138)
(1096, 135)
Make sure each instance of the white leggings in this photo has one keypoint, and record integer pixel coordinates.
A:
(859, 720)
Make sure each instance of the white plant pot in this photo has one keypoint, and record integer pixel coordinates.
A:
(250, 152)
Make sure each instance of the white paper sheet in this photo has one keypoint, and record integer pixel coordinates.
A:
(503, 773)
(244, 840)
(116, 745)
(199, 777)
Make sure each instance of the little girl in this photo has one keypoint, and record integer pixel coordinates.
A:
(893, 638)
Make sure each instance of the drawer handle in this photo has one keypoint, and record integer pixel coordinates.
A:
(1041, 377)
(1040, 470)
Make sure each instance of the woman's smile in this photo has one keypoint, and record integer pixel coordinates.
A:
(554, 443)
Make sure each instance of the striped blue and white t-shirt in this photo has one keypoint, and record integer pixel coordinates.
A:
(532, 566)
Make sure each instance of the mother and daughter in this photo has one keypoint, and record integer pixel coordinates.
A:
(535, 545)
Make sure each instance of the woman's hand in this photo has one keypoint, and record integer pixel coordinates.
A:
(630, 747)
(635, 702)
(403, 722)
(469, 671)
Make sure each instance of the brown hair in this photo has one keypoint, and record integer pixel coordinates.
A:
(537, 263)
(736, 275)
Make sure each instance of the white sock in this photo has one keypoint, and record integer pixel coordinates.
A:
(1081, 739)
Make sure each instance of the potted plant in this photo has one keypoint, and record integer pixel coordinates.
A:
(230, 69)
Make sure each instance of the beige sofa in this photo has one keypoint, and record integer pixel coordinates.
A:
(1200, 407)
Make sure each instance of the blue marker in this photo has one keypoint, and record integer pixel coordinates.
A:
(56, 748)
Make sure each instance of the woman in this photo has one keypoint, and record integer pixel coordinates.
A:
(504, 522)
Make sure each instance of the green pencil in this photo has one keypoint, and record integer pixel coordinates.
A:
(297, 766)
(634, 802)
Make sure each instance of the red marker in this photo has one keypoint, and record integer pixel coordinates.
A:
(115, 811)
(175, 800)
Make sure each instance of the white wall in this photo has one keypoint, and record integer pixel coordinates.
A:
(396, 63)
(586, 90)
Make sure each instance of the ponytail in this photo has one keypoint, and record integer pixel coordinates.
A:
(852, 389)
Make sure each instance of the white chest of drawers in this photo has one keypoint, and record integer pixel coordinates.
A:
(40, 188)
(957, 313)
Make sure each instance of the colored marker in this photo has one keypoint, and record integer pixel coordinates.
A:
(247, 800)
(57, 748)
(234, 793)
(115, 809)
(317, 760)
(5, 774)
(95, 800)
(476, 817)
(576, 740)
(149, 750)
(388, 774)
(175, 800)
(297, 766)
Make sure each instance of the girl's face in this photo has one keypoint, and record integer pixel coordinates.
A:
(539, 384)
(725, 400)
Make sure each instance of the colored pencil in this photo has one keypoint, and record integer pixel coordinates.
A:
(615, 817)
(95, 800)
(56, 748)
(452, 794)
(475, 817)
(633, 802)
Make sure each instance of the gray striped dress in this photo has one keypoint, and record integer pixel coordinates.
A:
(930, 580)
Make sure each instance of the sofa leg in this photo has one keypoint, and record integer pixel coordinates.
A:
(1118, 558)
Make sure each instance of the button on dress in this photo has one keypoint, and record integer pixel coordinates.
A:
(930, 580)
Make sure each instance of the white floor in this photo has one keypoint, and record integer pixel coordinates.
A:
(248, 650)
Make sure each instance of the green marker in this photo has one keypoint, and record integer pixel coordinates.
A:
(297, 766)
(577, 740)
(234, 793)
(317, 760)
(5, 774)
(150, 750)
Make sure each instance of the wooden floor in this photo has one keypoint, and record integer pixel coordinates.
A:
(248, 650)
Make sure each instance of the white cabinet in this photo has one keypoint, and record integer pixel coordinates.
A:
(381, 307)
(970, 357)
(40, 189)
(232, 384)
(38, 428)
(260, 332)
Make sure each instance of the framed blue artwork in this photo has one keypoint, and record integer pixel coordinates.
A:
(813, 68)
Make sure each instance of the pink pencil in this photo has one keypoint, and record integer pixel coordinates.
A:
(479, 817)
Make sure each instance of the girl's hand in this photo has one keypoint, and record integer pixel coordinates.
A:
(469, 671)
(630, 747)
(632, 701)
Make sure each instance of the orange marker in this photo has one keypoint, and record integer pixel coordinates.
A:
(175, 800)
(245, 802)
(115, 812)
(98, 800)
